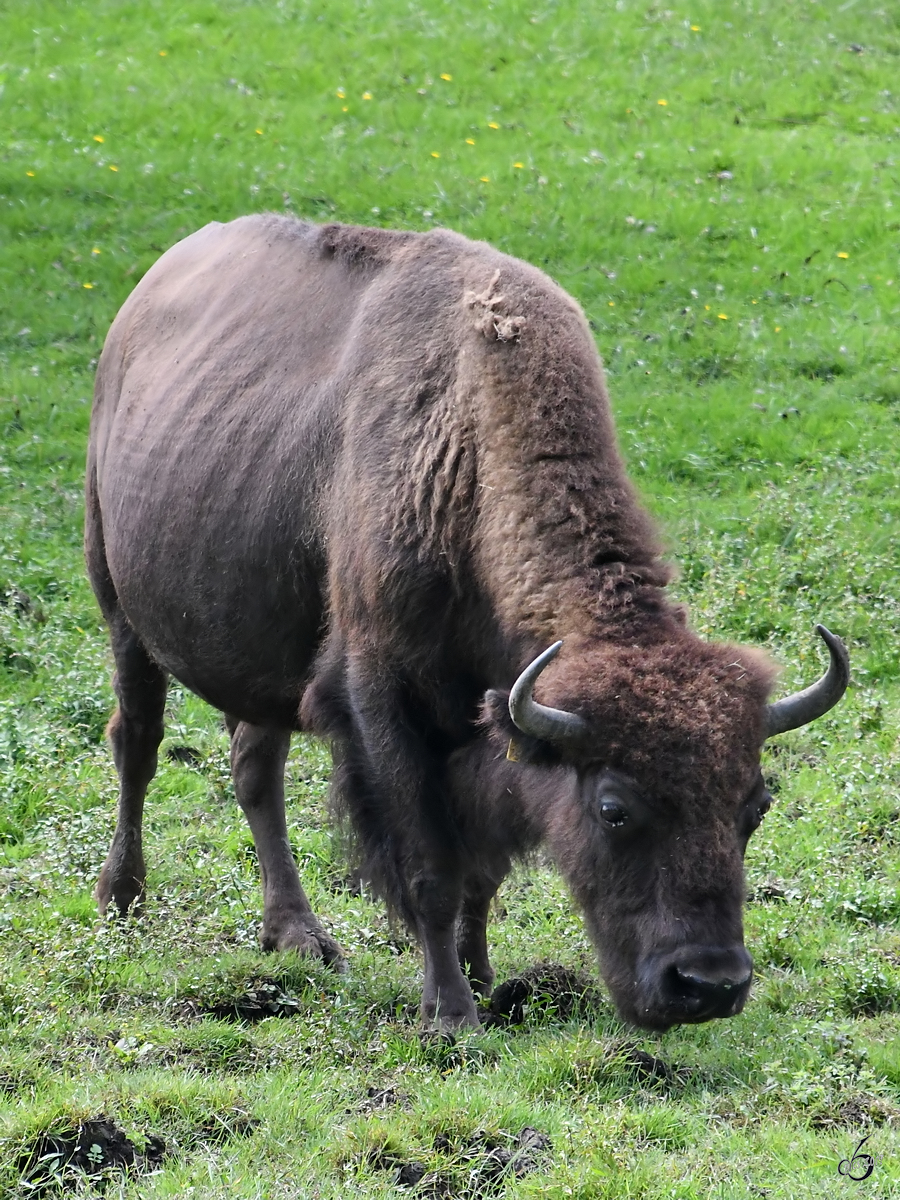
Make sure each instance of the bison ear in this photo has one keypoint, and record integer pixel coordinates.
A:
(518, 746)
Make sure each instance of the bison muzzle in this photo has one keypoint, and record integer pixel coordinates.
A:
(352, 482)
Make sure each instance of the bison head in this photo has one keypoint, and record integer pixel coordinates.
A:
(662, 792)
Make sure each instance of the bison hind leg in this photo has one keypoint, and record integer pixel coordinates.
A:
(258, 755)
(135, 732)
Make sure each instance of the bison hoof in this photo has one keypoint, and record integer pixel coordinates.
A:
(449, 1018)
(304, 937)
(125, 895)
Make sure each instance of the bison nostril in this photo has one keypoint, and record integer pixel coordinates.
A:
(708, 983)
(693, 984)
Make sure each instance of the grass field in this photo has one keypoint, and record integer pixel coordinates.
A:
(718, 186)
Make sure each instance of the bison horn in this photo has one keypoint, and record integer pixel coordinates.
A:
(549, 724)
(803, 707)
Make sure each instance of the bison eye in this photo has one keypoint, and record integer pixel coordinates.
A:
(754, 813)
(613, 813)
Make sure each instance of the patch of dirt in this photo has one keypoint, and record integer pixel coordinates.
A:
(95, 1148)
(379, 1099)
(768, 892)
(188, 756)
(645, 1067)
(222, 1127)
(22, 604)
(406, 1174)
(261, 998)
(350, 882)
(476, 1167)
(890, 954)
(548, 989)
(11, 1082)
(862, 1109)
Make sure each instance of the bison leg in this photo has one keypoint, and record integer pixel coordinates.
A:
(447, 1001)
(393, 788)
(135, 732)
(258, 756)
(471, 933)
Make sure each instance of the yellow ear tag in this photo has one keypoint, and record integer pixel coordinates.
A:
(512, 751)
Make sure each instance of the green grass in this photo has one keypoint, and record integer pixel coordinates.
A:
(737, 250)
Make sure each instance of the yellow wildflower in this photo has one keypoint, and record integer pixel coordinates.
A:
(722, 317)
(485, 179)
(778, 329)
(662, 102)
(30, 174)
(493, 125)
(96, 250)
(163, 53)
(447, 77)
(518, 164)
(367, 95)
(434, 154)
(695, 28)
(99, 138)
(258, 131)
(87, 285)
(341, 94)
(470, 141)
(114, 168)
(611, 303)
(843, 254)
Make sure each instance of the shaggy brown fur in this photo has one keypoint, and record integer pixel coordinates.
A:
(349, 480)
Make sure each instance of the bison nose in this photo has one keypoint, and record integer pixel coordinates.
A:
(707, 982)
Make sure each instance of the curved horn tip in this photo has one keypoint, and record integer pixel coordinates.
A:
(838, 651)
(829, 638)
(803, 707)
(550, 653)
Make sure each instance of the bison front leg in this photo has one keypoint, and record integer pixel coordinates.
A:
(471, 937)
(447, 1000)
(393, 787)
(258, 756)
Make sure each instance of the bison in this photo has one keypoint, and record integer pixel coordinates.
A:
(351, 482)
